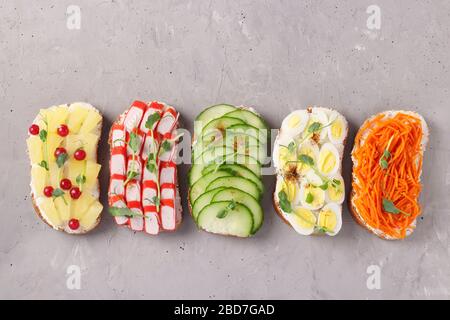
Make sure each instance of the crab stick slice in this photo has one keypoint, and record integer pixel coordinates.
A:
(116, 194)
(168, 155)
(133, 197)
(151, 146)
(134, 115)
(150, 192)
(154, 113)
(133, 191)
(168, 178)
(168, 121)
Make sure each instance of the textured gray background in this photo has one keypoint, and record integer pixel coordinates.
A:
(273, 55)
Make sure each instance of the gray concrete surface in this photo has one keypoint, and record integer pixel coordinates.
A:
(275, 56)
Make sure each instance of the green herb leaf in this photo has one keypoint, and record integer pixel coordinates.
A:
(43, 135)
(285, 205)
(291, 147)
(151, 167)
(383, 163)
(152, 119)
(133, 143)
(61, 159)
(81, 179)
(166, 146)
(314, 127)
(322, 229)
(57, 193)
(44, 165)
(123, 212)
(309, 198)
(156, 201)
(324, 186)
(336, 182)
(130, 176)
(386, 153)
(305, 159)
(223, 213)
(390, 207)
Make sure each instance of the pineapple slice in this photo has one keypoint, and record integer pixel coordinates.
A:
(48, 210)
(74, 169)
(55, 174)
(80, 206)
(87, 141)
(38, 180)
(63, 207)
(89, 219)
(92, 170)
(90, 123)
(35, 149)
(77, 115)
(53, 142)
(55, 117)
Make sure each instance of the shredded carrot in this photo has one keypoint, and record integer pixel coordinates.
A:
(399, 182)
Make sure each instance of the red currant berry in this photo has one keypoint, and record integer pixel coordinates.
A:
(74, 224)
(75, 192)
(80, 154)
(48, 191)
(65, 184)
(59, 151)
(63, 130)
(34, 129)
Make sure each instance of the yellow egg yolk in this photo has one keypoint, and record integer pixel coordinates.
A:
(336, 129)
(304, 218)
(327, 220)
(317, 194)
(285, 156)
(294, 121)
(306, 150)
(327, 161)
(291, 189)
(335, 192)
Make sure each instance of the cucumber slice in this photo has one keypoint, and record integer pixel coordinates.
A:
(243, 184)
(238, 221)
(197, 169)
(216, 128)
(245, 129)
(249, 117)
(213, 155)
(233, 194)
(236, 170)
(199, 187)
(203, 201)
(211, 113)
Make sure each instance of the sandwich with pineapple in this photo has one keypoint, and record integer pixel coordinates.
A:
(62, 146)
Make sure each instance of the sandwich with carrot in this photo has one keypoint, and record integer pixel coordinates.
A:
(387, 166)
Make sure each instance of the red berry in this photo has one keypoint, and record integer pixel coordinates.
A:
(74, 224)
(65, 184)
(80, 154)
(59, 151)
(75, 192)
(63, 130)
(34, 129)
(48, 191)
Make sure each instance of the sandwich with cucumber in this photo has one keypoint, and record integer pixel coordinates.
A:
(307, 157)
(387, 167)
(62, 146)
(225, 187)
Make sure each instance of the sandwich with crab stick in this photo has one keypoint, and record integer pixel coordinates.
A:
(387, 166)
(307, 157)
(62, 146)
(143, 190)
